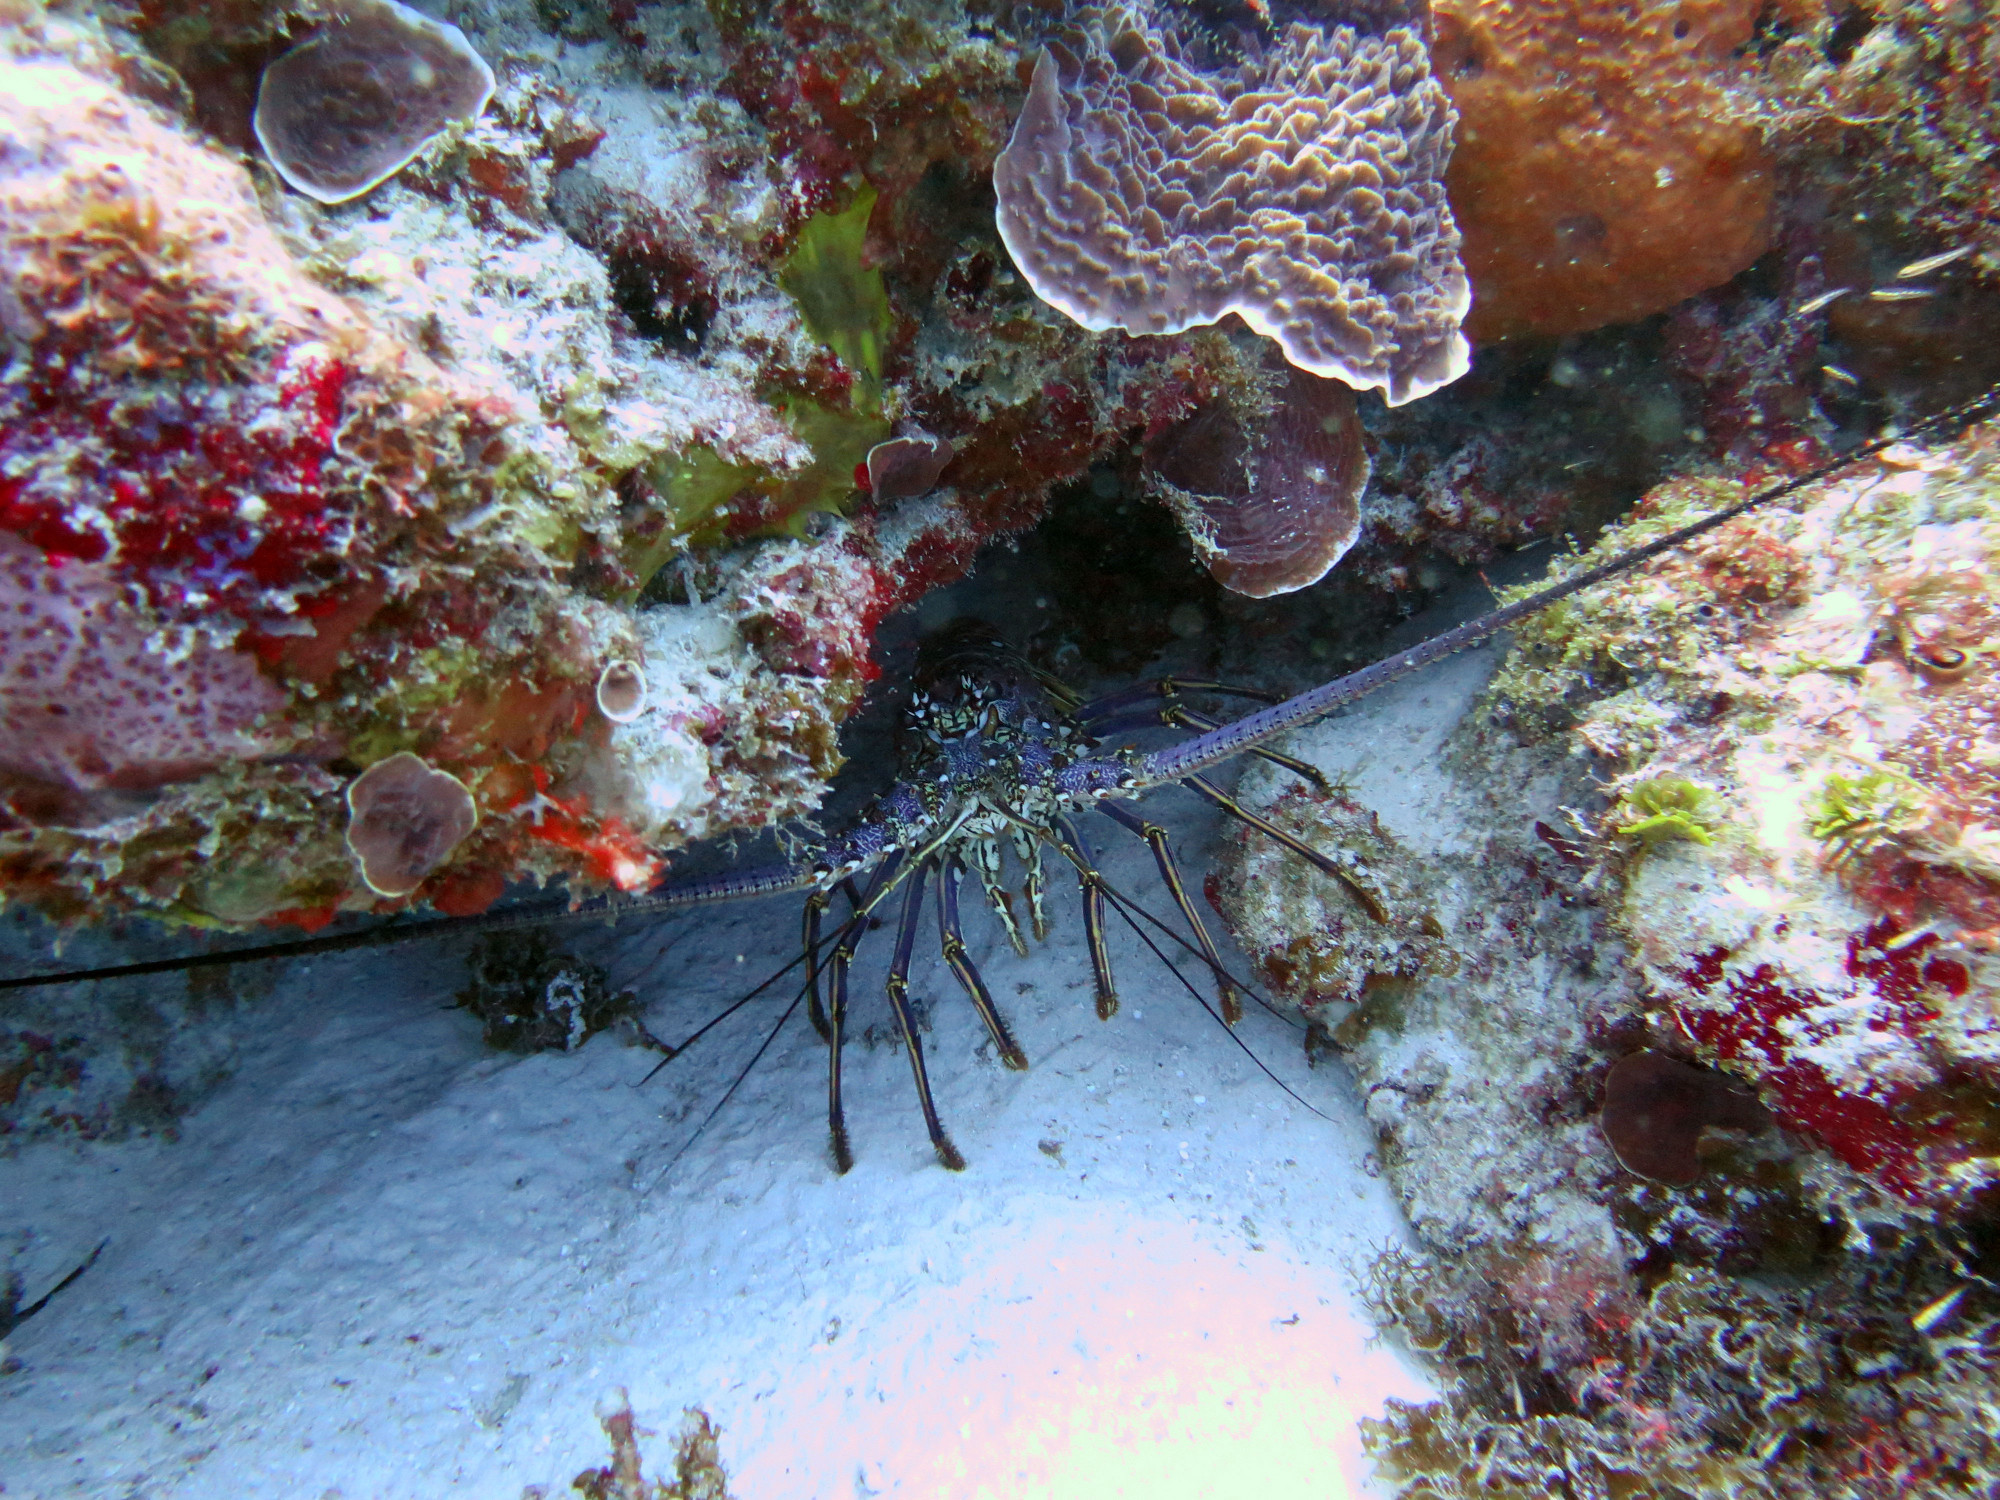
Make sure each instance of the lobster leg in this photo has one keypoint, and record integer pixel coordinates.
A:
(1030, 852)
(1170, 872)
(961, 965)
(1369, 901)
(986, 860)
(1090, 886)
(815, 908)
(836, 996)
(899, 1002)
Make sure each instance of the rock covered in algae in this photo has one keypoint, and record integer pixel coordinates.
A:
(1780, 909)
(279, 509)
(591, 384)
(1817, 672)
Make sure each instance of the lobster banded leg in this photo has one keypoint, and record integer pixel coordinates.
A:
(1368, 900)
(899, 1002)
(836, 995)
(961, 965)
(816, 905)
(1029, 850)
(1170, 872)
(986, 861)
(1090, 885)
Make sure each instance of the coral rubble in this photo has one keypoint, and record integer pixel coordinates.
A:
(698, 1471)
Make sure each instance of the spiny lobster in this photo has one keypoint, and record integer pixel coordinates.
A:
(1002, 755)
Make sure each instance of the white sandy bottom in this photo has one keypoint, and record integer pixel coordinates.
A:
(384, 1262)
(1102, 1355)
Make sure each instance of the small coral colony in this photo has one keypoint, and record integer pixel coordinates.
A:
(436, 457)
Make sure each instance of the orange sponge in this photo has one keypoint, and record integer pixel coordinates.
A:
(1606, 164)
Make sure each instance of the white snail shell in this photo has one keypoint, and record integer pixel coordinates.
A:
(621, 692)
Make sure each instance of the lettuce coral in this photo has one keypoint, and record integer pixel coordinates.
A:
(1293, 180)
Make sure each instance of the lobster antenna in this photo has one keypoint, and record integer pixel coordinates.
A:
(723, 1103)
(1120, 903)
(1198, 754)
(534, 912)
(716, 1020)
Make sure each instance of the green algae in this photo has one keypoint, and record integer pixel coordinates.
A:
(1669, 808)
(705, 499)
(1854, 813)
(843, 301)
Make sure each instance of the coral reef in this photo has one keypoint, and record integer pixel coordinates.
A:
(1910, 87)
(697, 353)
(1708, 1385)
(1811, 679)
(1298, 188)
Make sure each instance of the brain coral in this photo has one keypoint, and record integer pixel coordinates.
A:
(1603, 170)
(1154, 185)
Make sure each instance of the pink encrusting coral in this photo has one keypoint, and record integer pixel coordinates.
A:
(95, 694)
(1299, 186)
(357, 101)
(404, 819)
